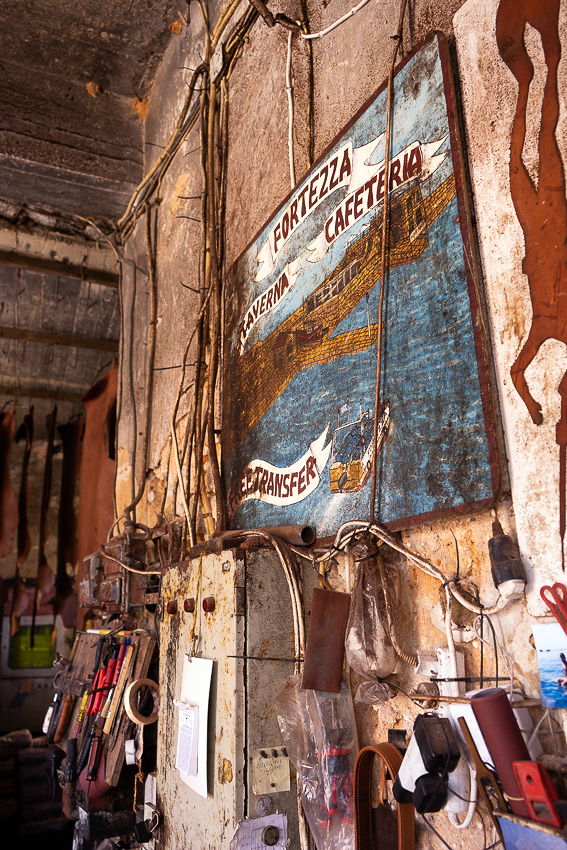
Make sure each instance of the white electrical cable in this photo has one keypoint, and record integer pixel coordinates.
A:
(449, 633)
(289, 89)
(537, 727)
(497, 649)
(473, 798)
(340, 21)
(294, 592)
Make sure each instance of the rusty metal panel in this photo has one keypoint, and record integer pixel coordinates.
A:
(302, 328)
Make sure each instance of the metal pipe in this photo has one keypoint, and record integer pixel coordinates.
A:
(295, 535)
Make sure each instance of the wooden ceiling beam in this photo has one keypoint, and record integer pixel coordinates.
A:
(59, 339)
(40, 392)
(41, 265)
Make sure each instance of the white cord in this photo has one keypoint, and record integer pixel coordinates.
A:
(336, 24)
(289, 89)
(497, 650)
(130, 569)
(472, 804)
(343, 538)
(449, 633)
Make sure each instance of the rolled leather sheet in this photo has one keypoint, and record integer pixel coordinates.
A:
(504, 740)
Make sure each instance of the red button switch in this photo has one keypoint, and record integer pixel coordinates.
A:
(171, 607)
(209, 604)
(189, 605)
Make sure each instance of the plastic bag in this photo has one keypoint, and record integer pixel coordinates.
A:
(319, 733)
(369, 651)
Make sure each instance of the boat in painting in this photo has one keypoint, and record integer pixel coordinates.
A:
(353, 449)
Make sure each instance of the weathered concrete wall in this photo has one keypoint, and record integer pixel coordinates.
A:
(490, 95)
(349, 65)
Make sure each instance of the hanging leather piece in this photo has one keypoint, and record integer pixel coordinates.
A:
(8, 504)
(19, 597)
(65, 594)
(390, 760)
(45, 581)
(96, 486)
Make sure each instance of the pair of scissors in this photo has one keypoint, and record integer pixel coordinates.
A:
(555, 597)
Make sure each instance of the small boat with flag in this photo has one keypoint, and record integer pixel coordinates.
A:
(352, 450)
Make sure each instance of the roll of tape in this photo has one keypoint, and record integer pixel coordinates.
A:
(131, 699)
(130, 751)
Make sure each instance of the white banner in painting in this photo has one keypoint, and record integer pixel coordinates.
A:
(335, 172)
(266, 302)
(349, 168)
(282, 485)
(417, 161)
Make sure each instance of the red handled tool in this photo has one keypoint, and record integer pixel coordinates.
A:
(538, 791)
(555, 597)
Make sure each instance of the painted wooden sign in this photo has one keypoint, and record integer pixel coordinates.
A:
(301, 322)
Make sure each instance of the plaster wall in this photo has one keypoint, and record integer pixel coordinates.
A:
(349, 65)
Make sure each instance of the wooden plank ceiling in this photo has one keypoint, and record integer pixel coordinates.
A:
(65, 156)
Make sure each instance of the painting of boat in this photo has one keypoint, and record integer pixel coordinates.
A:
(326, 303)
(353, 449)
(307, 336)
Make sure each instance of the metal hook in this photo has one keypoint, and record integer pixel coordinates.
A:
(58, 298)
(23, 289)
(89, 302)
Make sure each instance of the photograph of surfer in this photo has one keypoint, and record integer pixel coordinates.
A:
(551, 649)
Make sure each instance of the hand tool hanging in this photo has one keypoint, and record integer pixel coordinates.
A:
(65, 594)
(99, 670)
(555, 597)
(45, 580)
(8, 504)
(19, 599)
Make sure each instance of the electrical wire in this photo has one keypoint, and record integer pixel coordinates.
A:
(327, 30)
(495, 646)
(289, 89)
(453, 819)
(349, 529)
(384, 259)
(150, 361)
(290, 570)
(127, 567)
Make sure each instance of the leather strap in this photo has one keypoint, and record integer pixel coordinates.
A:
(391, 758)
